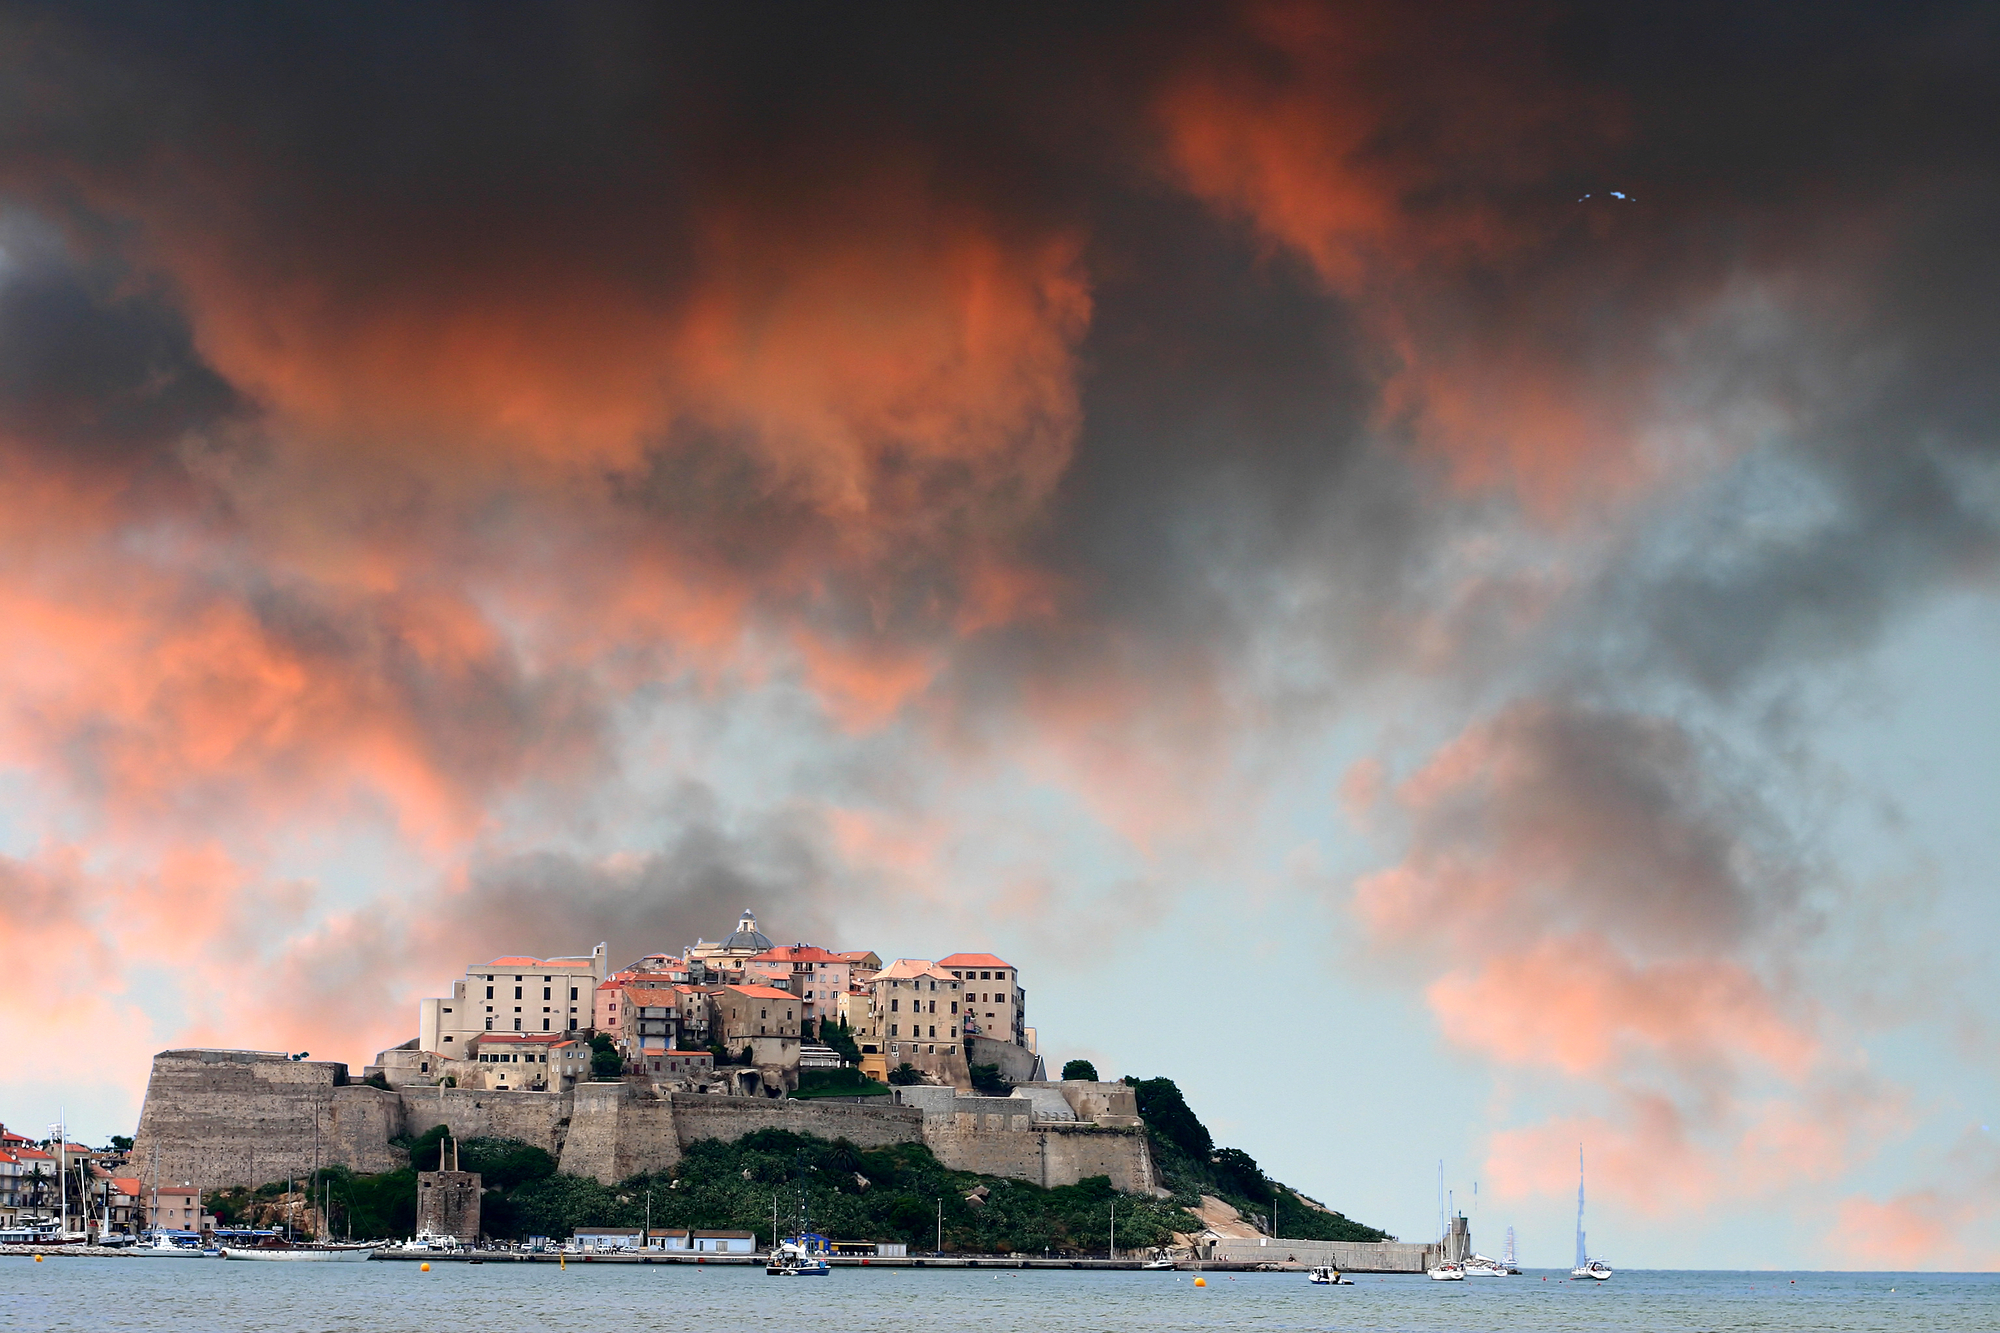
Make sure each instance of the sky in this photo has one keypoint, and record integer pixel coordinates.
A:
(1425, 572)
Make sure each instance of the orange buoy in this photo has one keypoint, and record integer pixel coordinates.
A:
(38, 1258)
(1201, 1282)
(425, 1267)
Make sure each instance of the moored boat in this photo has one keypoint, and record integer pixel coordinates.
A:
(1447, 1273)
(283, 1251)
(173, 1245)
(1326, 1276)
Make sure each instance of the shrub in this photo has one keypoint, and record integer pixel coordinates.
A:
(987, 1079)
(1080, 1069)
(905, 1074)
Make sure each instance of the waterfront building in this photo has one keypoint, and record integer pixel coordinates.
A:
(512, 994)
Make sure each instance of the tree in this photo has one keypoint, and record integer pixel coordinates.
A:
(841, 1038)
(905, 1074)
(987, 1079)
(1167, 1114)
(1080, 1069)
(1238, 1171)
(121, 1143)
(606, 1064)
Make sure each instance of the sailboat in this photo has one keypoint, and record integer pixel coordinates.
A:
(1586, 1267)
(1508, 1257)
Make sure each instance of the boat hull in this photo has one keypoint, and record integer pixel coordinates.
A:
(302, 1256)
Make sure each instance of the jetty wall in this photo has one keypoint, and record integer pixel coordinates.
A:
(1346, 1255)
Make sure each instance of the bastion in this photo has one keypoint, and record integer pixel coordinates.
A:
(245, 1118)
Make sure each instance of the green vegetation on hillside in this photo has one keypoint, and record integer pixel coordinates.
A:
(1190, 1165)
(890, 1193)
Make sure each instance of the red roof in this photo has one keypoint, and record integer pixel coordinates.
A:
(796, 953)
(126, 1184)
(973, 960)
(657, 996)
(762, 992)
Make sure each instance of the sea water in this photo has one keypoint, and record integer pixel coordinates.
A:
(217, 1296)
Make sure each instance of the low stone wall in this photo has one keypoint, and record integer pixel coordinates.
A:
(477, 1113)
(704, 1117)
(1048, 1154)
(1346, 1255)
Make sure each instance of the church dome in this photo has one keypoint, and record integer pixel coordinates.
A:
(747, 936)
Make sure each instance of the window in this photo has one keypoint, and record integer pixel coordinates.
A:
(892, 1029)
(447, 1038)
(489, 1025)
(952, 1033)
(572, 992)
(489, 992)
(986, 976)
(545, 993)
(517, 978)
(545, 1025)
(933, 1029)
(894, 1005)
(933, 1006)
(517, 992)
(517, 1025)
(954, 1006)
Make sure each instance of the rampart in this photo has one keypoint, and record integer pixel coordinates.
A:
(223, 1118)
(228, 1118)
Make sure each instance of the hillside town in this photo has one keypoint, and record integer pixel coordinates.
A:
(742, 1016)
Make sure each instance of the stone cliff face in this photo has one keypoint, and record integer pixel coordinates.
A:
(225, 1118)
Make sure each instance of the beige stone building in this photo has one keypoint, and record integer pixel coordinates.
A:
(744, 1012)
(857, 1009)
(996, 1005)
(523, 1062)
(512, 994)
(917, 1012)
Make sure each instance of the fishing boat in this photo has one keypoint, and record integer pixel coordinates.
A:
(282, 1251)
(1326, 1276)
(1586, 1267)
(1447, 1273)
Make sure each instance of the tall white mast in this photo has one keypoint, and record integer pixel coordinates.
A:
(1581, 1258)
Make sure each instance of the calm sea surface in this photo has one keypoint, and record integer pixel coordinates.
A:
(196, 1296)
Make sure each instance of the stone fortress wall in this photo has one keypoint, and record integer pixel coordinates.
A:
(230, 1118)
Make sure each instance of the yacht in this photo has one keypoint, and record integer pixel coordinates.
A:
(1448, 1273)
(1480, 1266)
(1586, 1267)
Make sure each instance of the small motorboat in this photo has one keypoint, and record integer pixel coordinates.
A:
(1157, 1265)
(173, 1245)
(1327, 1276)
(795, 1259)
(1447, 1273)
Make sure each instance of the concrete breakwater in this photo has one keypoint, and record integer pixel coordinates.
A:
(225, 1118)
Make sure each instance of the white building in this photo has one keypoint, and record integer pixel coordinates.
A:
(512, 994)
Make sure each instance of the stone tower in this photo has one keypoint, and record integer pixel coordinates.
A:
(448, 1198)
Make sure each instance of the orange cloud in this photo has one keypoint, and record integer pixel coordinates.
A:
(1406, 162)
